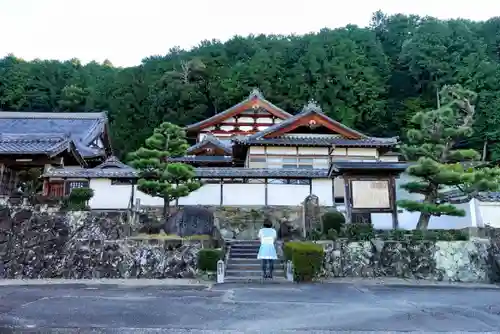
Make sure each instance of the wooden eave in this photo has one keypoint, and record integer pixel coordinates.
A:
(202, 150)
(238, 109)
(319, 120)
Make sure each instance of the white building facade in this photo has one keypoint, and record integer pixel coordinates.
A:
(255, 154)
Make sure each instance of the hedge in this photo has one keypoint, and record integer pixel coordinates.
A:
(366, 232)
(208, 257)
(306, 257)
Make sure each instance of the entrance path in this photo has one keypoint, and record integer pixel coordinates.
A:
(247, 308)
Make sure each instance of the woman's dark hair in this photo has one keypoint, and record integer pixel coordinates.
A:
(268, 223)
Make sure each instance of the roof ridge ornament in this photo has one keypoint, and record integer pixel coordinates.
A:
(312, 105)
(256, 93)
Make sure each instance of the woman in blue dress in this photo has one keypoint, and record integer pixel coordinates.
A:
(267, 250)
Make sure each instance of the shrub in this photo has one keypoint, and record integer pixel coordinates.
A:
(207, 259)
(78, 199)
(307, 259)
(359, 232)
(333, 220)
(332, 234)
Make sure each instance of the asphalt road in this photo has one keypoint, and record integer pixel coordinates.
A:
(257, 308)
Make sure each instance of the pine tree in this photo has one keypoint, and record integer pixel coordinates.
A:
(439, 163)
(158, 177)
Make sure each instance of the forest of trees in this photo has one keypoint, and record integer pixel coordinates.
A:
(373, 79)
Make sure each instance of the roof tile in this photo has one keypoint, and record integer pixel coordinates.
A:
(81, 128)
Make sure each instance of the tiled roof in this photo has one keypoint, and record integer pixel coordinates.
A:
(340, 166)
(81, 128)
(111, 168)
(254, 94)
(492, 196)
(42, 143)
(113, 162)
(210, 139)
(90, 173)
(317, 141)
(309, 109)
(261, 172)
(202, 158)
(456, 196)
(217, 172)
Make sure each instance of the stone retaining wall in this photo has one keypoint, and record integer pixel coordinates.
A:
(41, 243)
(457, 261)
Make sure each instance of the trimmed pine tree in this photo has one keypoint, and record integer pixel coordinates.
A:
(440, 165)
(158, 177)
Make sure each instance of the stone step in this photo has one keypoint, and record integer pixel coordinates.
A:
(235, 241)
(233, 268)
(233, 260)
(243, 256)
(252, 273)
(254, 279)
(251, 264)
(245, 249)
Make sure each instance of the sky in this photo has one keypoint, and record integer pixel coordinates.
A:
(126, 31)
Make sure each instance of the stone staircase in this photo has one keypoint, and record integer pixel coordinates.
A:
(243, 266)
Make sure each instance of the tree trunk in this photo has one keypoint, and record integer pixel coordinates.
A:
(166, 208)
(423, 221)
(485, 150)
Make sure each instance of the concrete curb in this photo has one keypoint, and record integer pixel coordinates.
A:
(174, 282)
(414, 284)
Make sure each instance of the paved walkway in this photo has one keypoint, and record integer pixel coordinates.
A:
(120, 282)
(389, 281)
(243, 308)
(393, 281)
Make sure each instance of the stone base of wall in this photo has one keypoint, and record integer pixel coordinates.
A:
(39, 244)
(456, 261)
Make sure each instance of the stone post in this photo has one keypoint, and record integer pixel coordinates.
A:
(312, 214)
(220, 271)
(289, 271)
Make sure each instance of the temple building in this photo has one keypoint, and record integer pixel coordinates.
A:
(32, 140)
(256, 154)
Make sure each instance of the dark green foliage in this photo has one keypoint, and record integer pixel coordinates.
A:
(423, 235)
(207, 259)
(333, 220)
(374, 79)
(307, 259)
(433, 144)
(332, 234)
(158, 177)
(30, 181)
(78, 199)
(359, 232)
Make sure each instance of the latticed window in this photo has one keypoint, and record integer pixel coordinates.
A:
(70, 185)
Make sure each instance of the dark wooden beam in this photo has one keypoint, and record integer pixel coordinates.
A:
(221, 191)
(394, 206)
(266, 195)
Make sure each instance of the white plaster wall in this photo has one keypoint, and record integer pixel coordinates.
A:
(208, 194)
(107, 196)
(313, 150)
(490, 213)
(408, 220)
(389, 158)
(355, 152)
(243, 194)
(323, 189)
(286, 194)
(281, 150)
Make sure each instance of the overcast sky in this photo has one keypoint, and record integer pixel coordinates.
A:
(126, 31)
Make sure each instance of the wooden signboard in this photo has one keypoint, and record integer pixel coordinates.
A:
(370, 194)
